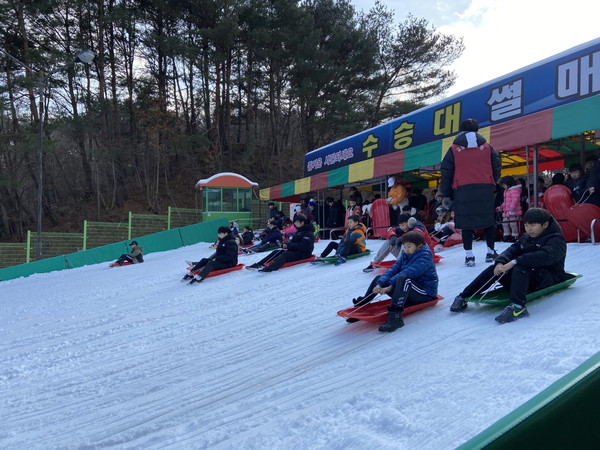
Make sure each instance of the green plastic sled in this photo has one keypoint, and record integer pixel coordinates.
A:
(501, 297)
(333, 259)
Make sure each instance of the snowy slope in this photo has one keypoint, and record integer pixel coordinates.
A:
(132, 358)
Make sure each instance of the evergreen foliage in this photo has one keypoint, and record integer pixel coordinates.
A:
(182, 89)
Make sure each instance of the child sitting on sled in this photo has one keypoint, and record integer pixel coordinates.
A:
(393, 245)
(300, 246)
(352, 242)
(273, 238)
(411, 280)
(536, 261)
(225, 257)
(133, 257)
(247, 235)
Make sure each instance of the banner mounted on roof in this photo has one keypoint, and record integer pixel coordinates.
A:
(564, 78)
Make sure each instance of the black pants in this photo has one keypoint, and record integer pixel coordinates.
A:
(490, 237)
(280, 257)
(205, 266)
(124, 258)
(519, 281)
(344, 250)
(405, 293)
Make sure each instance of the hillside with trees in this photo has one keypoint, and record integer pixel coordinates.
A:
(180, 90)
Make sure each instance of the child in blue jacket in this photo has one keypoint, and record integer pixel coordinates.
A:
(411, 280)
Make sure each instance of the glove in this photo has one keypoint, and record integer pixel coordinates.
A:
(447, 203)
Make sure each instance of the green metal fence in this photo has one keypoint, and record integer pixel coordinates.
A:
(180, 217)
(155, 242)
(54, 244)
(96, 234)
(141, 224)
(13, 254)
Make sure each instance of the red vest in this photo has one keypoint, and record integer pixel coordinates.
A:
(472, 165)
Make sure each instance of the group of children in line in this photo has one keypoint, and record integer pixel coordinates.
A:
(533, 262)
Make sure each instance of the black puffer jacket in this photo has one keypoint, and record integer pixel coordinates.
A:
(547, 251)
(303, 240)
(227, 250)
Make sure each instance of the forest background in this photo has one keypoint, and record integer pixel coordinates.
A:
(181, 90)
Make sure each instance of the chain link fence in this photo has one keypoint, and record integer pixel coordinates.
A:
(96, 234)
(180, 217)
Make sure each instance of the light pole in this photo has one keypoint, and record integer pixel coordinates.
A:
(85, 57)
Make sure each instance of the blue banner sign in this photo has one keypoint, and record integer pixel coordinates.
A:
(560, 79)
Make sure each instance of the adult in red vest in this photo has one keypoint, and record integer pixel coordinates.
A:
(470, 169)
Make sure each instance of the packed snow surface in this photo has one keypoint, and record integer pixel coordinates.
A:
(132, 358)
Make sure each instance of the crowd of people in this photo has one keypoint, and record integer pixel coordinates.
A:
(472, 201)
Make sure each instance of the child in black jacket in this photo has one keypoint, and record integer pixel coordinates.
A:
(534, 262)
(225, 256)
(300, 246)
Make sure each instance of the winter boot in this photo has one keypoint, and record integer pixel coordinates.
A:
(369, 268)
(197, 279)
(352, 320)
(394, 320)
(254, 266)
(470, 261)
(459, 304)
(491, 257)
(341, 260)
(511, 313)
(187, 276)
(266, 269)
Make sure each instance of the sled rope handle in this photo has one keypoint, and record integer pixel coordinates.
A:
(583, 199)
(372, 300)
(488, 290)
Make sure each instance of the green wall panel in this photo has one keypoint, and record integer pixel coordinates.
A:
(338, 177)
(423, 155)
(576, 117)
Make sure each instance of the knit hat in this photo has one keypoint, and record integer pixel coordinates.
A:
(133, 243)
(391, 181)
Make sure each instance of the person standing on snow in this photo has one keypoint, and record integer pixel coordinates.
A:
(470, 169)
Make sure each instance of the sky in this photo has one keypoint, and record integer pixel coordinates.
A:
(501, 36)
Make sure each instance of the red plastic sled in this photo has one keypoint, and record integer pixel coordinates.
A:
(452, 242)
(377, 312)
(214, 273)
(126, 263)
(380, 214)
(387, 264)
(293, 263)
(558, 202)
(581, 215)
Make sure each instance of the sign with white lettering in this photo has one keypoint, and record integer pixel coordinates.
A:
(561, 79)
